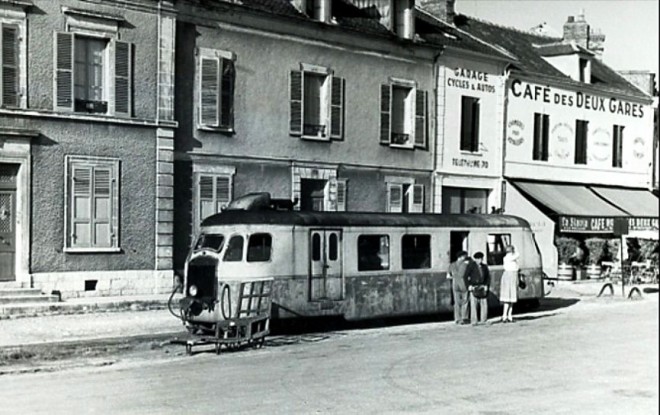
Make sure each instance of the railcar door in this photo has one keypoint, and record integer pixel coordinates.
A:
(325, 277)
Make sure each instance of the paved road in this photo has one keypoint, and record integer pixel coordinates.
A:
(592, 357)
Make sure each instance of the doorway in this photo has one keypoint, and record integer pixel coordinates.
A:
(458, 241)
(8, 174)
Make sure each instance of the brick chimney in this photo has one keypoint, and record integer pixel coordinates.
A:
(576, 29)
(442, 9)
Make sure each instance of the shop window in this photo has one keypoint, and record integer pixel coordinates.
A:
(234, 251)
(464, 200)
(617, 146)
(470, 124)
(541, 142)
(496, 248)
(581, 132)
(373, 252)
(259, 247)
(416, 251)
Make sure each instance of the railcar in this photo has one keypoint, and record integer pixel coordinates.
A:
(355, 265)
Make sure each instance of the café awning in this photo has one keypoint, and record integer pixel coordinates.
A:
(577, 209)
(637, 202)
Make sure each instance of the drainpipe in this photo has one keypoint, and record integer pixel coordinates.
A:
(436, 89)
(505, 111)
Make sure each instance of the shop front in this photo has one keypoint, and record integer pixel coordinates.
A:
(574, 225)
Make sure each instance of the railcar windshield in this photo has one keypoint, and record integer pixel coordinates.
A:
(210, 241)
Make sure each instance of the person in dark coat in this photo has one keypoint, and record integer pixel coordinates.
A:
(457, 271)
(478, 286)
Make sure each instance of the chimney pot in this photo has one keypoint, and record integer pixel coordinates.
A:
(571, 19)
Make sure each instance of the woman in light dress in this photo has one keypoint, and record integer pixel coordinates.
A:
(509, 283)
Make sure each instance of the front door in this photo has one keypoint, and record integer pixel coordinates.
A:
(325, 279)
(8, 221)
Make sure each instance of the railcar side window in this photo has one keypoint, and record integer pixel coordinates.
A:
(210, 241)
(259, 247)
(332, 250)
(416, 251)
(496, 248)
(373, 252)
(316, 247)
(234, 249)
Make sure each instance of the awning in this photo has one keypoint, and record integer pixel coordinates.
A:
(577, 208)
(638, 203)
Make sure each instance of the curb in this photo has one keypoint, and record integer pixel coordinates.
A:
(53, 309)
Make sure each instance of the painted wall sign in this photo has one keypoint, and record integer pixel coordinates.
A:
(577, 99)
(581, 224)
(515, 129)
(600, 148)
(563, 134)
(470, 80)
(476, 164)
(638, 147)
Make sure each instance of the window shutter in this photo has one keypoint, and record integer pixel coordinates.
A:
(209, 92)
(9, 96)
(416, 199)
(466, 124)
(123, 81)
(206, 198)
(227, 94)
(536, 150)
(475, 125)
(102, 208)
(546, 137)
(81, 206)
(341, 195)
(337, 109)
(222, 192)
(64, 43)
(385, 111)
(296, 121)
(420, 118)
(395, 198)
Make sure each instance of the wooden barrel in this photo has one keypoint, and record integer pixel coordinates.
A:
(593, 272)
(565, 272)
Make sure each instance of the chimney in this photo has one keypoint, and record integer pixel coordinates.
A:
(442, 9)
(578, 30)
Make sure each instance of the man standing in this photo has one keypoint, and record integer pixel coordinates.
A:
(478, 277)
(457, 272)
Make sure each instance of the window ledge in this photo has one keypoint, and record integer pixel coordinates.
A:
(471, 153)
(315, 138)
(85, 117)
(91, 250)
(224, 130)
(402, 147)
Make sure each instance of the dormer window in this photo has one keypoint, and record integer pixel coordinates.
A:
(317, 9)
(403, 18)
(585, 70)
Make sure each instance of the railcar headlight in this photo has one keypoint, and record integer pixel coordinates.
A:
(192, 290)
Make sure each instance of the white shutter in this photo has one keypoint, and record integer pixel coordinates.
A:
(209, 91)
(385, 113)
(81, 206)
(206, 197)
(337, 109)
(341, 195)
(102, 208)
(123, 81)
(416, 198)
(64, 47)
(296, 103)
(394, 198)
(223, 192)
(420, 118)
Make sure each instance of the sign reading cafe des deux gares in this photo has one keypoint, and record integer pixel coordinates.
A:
(473, 123)
(564, 108)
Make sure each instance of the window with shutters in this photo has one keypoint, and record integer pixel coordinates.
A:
(405, 197)
(541, 141)
(214, 194)
(316, 103)
(92, 204)
(470, 124)
(581, 130)
(403, 115)
(12, 63)
(216, 79)
(93, 74)
(617, 146)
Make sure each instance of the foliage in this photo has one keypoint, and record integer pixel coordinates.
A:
(650, 250)
(597, 248)
(566, 247)
(613, 246)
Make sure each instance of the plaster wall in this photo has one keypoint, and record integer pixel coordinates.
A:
(564, 107)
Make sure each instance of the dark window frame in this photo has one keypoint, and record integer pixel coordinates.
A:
(470, 115)
(367, 260)
(541, 137)
(581, 138)
(617, 146)
(418, 258)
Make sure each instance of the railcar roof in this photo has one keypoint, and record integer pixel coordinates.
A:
(275, 217)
